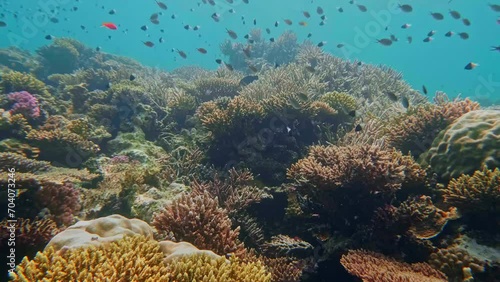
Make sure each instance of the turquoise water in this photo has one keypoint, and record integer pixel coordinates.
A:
(438, 64)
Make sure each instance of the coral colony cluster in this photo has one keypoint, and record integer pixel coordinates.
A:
(319, 169)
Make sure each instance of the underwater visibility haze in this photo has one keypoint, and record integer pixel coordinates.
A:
(250, 140)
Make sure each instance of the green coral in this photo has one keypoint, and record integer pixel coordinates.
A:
(343, 103)
(62, 56)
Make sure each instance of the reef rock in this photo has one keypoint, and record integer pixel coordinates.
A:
(466, 145)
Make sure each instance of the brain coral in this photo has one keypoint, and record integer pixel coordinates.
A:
(466, 145)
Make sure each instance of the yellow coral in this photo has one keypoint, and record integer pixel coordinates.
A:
(341, 102)
(17, 81)
(203, 268)
(134, 259)
(479, 192)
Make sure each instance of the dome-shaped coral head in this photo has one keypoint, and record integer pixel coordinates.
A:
(25, 104)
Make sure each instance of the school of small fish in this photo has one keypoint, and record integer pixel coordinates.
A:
(304, 18)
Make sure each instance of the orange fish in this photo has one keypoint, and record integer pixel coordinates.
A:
(110, 26)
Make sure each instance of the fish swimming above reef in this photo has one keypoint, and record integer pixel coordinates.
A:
(248, 79)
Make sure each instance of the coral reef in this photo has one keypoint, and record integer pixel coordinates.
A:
(456, 263)
(466, 145)
(282, 245)
(370, 266)
(200, 221)
(97, 231)
(62, 56)
(62, 201)
(30, 235)
(475, 193)
(25, 104)
(416, 129)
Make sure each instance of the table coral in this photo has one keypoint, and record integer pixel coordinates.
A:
(374, 267)
(466, 145)
(200, 221)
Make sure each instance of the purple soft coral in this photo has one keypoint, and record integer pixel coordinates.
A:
(25, 104)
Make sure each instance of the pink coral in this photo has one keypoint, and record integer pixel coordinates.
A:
(61, 200)
(24, 103)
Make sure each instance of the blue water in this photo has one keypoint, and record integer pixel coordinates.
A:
(439, 64)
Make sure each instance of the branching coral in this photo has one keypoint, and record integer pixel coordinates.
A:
(379, 170)
(25, 104)
(282, 245)
(21, 163)
(374, 267)
(416, 129)
(238, 113)
(284, 269)
(234, 193)
(62, 201)
(130, 259)
(59, 138)
(210, 88)
(62, 56)
(29, 234)
(200, 221)
(477, 193)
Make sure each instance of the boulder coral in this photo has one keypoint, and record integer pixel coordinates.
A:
(466, 145)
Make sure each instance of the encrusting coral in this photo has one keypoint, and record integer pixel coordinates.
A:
(374, 267)
(456, 263)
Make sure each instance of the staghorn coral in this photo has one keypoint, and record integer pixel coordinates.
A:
(374, 267)
(343, 103)
(234, 192)
(209, 269)
(21, 163)
(477, 193)
(377, 169)
(456, 263)
(16, 146)
(287, 80)
(29, 234)
(25, 104)
(466, 145)
(282, 245)
(210, 88)
(130, 259)
(62, 201)
(416, 129)
(198, 219)
(284, 269)
(17, 81)
(424, 219)
(367, 83)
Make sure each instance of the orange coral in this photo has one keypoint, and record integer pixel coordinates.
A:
(201, 221)
(374, 267)
(380, 170)
(415, 130)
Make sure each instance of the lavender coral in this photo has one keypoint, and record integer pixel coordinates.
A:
(25, 104)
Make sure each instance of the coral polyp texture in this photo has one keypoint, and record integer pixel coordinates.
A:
(466, 145)
(479, 192)
(373, 267)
